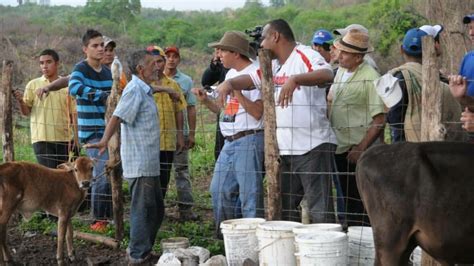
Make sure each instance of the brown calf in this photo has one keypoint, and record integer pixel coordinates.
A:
(28, 187)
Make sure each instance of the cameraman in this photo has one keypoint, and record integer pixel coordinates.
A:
(215, 73)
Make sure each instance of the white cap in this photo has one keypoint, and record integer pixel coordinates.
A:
(388, 89)
(432, 30)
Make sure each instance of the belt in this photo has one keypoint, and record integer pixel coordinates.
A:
(242, 134)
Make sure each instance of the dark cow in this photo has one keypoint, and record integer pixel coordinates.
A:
(420, 194)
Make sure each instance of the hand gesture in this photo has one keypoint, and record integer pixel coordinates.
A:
(223, 90)
(467, 119)
(201, 95)
(457, 85)
(101, 145)
(40, 92)
(286, 92)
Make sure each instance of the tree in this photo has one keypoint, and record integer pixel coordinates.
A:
(118, 11)
(277, 3)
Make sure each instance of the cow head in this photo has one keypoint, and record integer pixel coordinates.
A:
(82, 169)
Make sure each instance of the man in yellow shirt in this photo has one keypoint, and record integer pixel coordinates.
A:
(49, 115)
(171, 117)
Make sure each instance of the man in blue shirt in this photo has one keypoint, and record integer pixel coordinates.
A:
(467, 64)
(181, 160)
(137, 115)
(90, 83)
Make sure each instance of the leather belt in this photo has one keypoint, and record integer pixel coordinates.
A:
(242, 134)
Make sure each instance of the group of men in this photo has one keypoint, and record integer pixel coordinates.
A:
(328, 112)
(154, 108)
(319, 131)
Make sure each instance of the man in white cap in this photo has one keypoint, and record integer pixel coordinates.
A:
(435, 32)
(305, 138)
(237, 182)
(356, 114)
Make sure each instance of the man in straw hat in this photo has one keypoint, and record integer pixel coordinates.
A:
(236, 186)
(356, 114)
(305, 138)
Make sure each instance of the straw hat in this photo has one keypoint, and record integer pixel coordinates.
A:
(355, 41)
(234, 41)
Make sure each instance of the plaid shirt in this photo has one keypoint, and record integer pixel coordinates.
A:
(140, 135)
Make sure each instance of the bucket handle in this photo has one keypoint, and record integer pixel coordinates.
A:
(271, 243)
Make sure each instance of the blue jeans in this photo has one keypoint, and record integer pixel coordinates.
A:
(101, 190)
(236, 186)
(146, 215)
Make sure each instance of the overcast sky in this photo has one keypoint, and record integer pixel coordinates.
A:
(214, 5)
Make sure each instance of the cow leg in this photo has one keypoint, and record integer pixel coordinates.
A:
(69, 239)
(392, 248)
(6, 210)
(62, 227)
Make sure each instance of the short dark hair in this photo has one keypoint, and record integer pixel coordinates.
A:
(50, 52)
(136, 59)
(90, 34)
(282, 27)
(326, 46)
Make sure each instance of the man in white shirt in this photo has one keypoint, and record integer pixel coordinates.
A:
(236, 186)
(305, 138)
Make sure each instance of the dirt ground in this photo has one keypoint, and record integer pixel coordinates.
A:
(39, 249)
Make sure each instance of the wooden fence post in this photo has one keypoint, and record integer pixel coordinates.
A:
(432, 128)
(272, 153)
(6, 109)
(113, 165)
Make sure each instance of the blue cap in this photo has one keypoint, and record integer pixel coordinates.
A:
(412, 42)
(322, 36)
(467, 19)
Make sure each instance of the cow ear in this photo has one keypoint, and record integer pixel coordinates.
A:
(66, 166)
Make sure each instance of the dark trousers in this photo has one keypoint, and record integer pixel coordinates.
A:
(219, 140)
(309, 176)
(51, 154)
(166, 162)
(355, 214)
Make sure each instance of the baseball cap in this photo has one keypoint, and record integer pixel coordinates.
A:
(155, 50)
(108, 40)
(412, 41)
(345, 30)
(172, 49)
(388, 89)
(434, 30)
(322, 36)
(468, 18)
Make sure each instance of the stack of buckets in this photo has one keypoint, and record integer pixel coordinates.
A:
(291, 243)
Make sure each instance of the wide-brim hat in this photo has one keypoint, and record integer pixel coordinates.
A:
(355, 41)
(234, 41)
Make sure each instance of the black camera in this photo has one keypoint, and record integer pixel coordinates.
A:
(256, 35)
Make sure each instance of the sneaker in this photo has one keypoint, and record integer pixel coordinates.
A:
(99, 226)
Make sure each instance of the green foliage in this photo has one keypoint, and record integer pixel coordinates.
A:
(120, 12)
(392, 18)
(38, 224)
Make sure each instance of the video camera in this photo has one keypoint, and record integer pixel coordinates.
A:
(256, 35)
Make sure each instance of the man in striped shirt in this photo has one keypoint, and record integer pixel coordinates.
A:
(90, 84)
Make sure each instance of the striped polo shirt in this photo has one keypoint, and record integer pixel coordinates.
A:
(90, 88)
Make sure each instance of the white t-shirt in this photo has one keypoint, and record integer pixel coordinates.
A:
(234, 118)
(302, 125)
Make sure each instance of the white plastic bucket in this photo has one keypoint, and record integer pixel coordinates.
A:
(276, 243)
(168, 245)
(322, 248)
(313, 228)
(415, 257)
(240, 241)
(361, 245)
